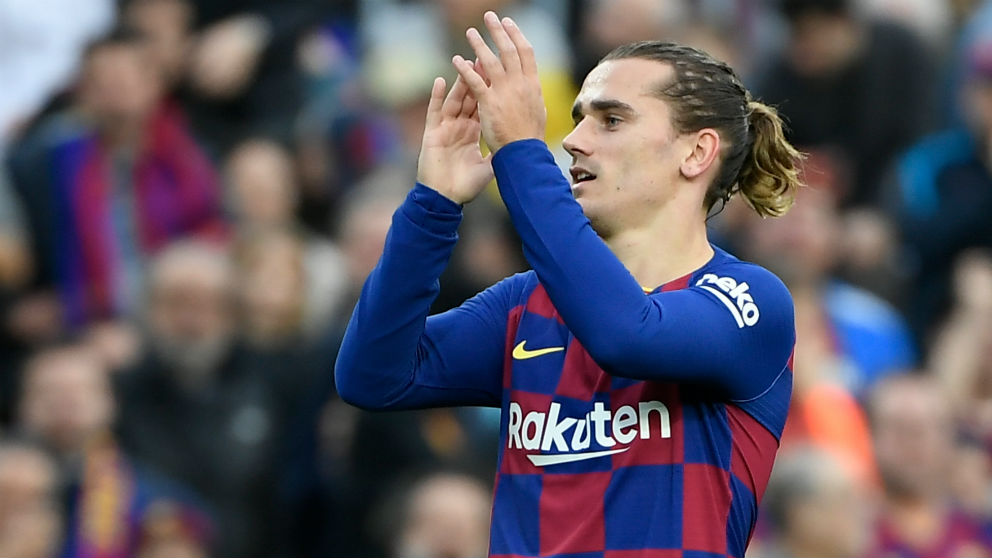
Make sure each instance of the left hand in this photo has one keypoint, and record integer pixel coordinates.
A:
(511, 106)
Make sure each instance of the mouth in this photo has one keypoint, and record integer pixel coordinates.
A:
(580, 175)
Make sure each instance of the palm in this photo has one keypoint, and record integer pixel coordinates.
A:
(451, 161)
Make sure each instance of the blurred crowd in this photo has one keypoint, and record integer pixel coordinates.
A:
(193, 191)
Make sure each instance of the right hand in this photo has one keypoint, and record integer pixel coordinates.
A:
(451, 160)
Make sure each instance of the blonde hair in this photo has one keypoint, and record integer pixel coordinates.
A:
(769, 176)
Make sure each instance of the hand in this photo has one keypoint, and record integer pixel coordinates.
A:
(508, 90)
(226, 56)
(451, 161)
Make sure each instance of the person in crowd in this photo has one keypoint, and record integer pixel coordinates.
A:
(942, 197)
(206, 408)
(31, 516)
(861, 88)
(109, 184)
(242, 75)
(444, 515)
(815, 506)
(961, 355)
(67, 404)
(914, 436)
(263, 195)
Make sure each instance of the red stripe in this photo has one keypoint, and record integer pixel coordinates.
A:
(753, 451)
(677, 284)
(705, 508)
(512, 323)
(572, 518)
(645, 553)
(581, 377)
(539, 303)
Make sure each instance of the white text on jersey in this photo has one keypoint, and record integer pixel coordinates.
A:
(734, 296)
(539, 430)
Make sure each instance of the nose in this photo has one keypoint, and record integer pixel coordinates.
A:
(576, 143)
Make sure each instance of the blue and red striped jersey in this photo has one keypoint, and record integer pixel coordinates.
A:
(635, 422)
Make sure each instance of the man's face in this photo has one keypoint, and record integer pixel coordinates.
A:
(191, 314)
(626, 155)
(913, 438)
(66, 398)
(120, 84)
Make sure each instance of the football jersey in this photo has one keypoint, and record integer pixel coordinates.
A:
(635, 421)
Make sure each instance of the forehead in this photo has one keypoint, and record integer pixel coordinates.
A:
(632, 80)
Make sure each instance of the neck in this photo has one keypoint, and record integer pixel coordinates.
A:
(123, 134)
(673, 245)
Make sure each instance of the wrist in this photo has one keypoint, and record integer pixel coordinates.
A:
(437, 200)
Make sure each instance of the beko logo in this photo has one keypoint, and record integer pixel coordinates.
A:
(734, 296)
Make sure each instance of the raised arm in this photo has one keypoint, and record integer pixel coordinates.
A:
(709, 333)
(393, 356)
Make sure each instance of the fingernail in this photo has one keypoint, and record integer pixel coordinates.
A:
(509, 22)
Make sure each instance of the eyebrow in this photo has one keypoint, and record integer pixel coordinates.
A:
(602, 105)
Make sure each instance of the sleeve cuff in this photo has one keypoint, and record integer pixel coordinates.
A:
(430, 210)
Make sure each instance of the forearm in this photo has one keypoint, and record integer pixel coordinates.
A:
(599, 299)
(376, 365)
(686, 335)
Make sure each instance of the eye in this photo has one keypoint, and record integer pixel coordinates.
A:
(612, 121)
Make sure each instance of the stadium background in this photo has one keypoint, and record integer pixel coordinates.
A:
(192, 192)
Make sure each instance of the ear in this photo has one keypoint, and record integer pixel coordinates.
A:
(704, 148)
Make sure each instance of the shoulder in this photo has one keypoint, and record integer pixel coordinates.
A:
(748, 290)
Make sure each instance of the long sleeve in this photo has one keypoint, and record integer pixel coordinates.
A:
(732, 330)
(393, 355)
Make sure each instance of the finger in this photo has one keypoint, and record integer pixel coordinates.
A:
(453, 102)
(481, 71)
(507, 50)
(528, 62)
(434, 106)
(473, 80)
(492, 64)
(468, 102)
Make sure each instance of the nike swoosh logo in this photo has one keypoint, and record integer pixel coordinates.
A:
(545, 460)
(520, 353)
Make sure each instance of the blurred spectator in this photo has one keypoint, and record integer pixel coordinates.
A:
(862, 88)
(928, 19)
(202, 406)
(67, 404)
(167, 26)
(961, 355)
(846, 335)
(104, 194)
(41, 42)
(971, 478)
(30, 514)
(606, 24)
(943, 198)
(15, 269)
(263, 196)
(445, 515)
(429, 32)
(846, 338)
(242, 75)
(814, 507)
(914, 444)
